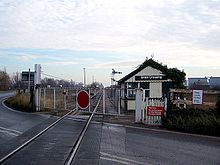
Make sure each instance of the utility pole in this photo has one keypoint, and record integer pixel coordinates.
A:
(84, 76)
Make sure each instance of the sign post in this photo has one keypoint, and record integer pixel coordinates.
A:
(83, 99)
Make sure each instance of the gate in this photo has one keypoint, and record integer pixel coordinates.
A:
(149, 110)
(111, 101)
(154, 110)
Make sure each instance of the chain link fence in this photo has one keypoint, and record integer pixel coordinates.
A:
(65, 99)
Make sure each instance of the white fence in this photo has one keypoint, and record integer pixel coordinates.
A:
(149, 110)
(155, 109)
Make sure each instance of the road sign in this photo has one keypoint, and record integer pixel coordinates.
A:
(83, 99)
(25, 76)
(197, 96)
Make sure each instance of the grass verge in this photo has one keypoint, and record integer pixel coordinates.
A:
(20, 102)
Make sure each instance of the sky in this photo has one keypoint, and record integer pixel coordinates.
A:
(65, 36)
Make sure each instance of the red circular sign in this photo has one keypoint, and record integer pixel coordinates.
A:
(83, 99)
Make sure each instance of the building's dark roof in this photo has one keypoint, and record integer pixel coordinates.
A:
(145, 64)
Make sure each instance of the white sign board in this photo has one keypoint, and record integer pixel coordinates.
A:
(197, 96)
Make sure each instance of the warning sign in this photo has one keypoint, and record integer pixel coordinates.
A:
(155, 111)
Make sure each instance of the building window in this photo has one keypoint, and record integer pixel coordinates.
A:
(147, 93)
(131, 89)
(131, 93)
(132, 85)
(145, 85)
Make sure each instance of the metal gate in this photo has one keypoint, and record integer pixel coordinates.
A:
(111, 101)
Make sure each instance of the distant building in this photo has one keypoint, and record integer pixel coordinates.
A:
(214, 83)
(198, 83)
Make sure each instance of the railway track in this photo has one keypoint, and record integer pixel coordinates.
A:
(56, 144)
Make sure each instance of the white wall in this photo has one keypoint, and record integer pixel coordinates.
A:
(155, 90)
(147, 71)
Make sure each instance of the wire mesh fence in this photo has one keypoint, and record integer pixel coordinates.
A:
(58, 98)
(66, 99)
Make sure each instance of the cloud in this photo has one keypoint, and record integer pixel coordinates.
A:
(104, 25)
(60, 63)
(118, 64)
(181, 33)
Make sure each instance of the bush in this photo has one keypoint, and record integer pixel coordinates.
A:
(193, 121)
(218, 106)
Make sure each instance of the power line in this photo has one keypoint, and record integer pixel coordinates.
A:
(53, 76)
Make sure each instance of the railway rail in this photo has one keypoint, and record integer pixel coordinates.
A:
(72, 149)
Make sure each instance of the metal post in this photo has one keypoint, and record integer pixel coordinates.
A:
(64, 98)
(119, 101)
(77, 108)
(39, 98)
(103, 100)
(29, 80)
(89, 101)
(37, 81)
(67, 99)
(84, 76)
(54, 98)
(44, 96)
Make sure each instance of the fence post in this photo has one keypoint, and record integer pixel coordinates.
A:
(39, 99)
(165, 106)
(44, 96)
(64, 99)
(67, 107)
(119, 101)
(54, 98)
(77, 108)
(145, 113)
(103, 100)
(89, 101)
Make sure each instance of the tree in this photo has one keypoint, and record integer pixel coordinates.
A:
(177, 76)
(16, 80)
(4, 80)
(218, 105)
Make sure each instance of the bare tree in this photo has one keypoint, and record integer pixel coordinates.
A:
(4, 80)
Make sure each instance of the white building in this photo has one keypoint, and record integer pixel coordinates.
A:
(151, 77)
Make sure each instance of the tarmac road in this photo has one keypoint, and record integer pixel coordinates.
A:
(103, 143)
(107, 144)
(14, 123)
